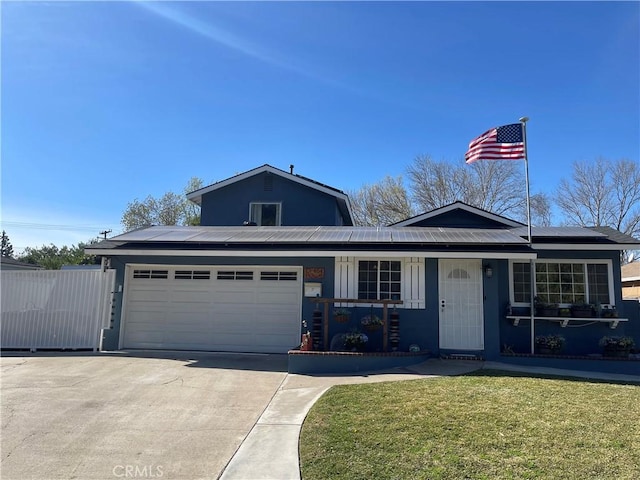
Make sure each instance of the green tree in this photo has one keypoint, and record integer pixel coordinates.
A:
(6, 249)
(52, 257)
(169, 209)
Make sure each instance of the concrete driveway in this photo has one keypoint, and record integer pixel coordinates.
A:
(149, 415)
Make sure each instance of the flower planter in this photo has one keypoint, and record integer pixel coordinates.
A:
(547, 311)
(617, 352)
(548, 351)
(582, 312)
(341, 318)
(372, 328)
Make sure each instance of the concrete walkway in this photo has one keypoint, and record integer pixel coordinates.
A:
(270, 451)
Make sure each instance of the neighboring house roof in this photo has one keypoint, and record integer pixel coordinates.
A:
(341, 197)
(458, 206)
(631, 272)
(8, 263)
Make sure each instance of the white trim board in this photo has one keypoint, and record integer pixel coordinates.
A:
(585, 246)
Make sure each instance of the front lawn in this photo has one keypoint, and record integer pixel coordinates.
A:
(492, 425)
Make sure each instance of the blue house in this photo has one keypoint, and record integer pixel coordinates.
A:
(274, 247)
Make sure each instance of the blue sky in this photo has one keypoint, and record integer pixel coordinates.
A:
(105, 102)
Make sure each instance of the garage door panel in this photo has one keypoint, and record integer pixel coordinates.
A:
(156, 295)
(226, 313)
(190, 297)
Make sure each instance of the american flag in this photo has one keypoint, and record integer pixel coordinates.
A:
(500, 143)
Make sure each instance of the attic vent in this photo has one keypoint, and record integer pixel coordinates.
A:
(268, 183)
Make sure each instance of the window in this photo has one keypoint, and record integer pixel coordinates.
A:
(265, 214)
(379, 279)
(280, 276)
(562, 282)
(161, 274)
(234, 275)
(192, 275)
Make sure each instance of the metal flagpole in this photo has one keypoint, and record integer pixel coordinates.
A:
(532, 264)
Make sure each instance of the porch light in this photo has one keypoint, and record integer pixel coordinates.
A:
(488, 271)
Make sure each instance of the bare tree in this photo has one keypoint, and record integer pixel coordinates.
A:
(498, 187)
(170, 209)
(540, 210)
(603, 193)
(381, 203)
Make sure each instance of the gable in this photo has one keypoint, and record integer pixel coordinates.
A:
(459, 215)
(300, 201)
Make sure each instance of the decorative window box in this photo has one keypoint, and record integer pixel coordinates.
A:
(564, 321)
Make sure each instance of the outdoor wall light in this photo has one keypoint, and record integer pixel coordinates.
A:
(488, 271)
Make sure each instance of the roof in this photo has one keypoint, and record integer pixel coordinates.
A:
(458, 206)
(316, 241)
(315, 235)
(378, 239)
(341, 197)
(578, 238)
(12, 264)
(615, 235)
(631, 272)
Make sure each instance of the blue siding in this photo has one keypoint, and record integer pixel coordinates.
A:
(421, 326)
(459, 218)
(300, 205)
(581, 340)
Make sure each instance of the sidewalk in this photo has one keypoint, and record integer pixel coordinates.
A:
(270, 451)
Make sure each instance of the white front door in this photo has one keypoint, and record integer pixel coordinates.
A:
(461, 305)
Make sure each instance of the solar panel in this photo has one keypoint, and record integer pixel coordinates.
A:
(370, 234)
(331, 235)
(252, 234)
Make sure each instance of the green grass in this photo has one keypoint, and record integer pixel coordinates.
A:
(492, 425)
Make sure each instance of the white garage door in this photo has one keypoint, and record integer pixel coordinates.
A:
(216, 308)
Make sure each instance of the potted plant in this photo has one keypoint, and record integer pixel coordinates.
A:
(371, 322)
(549, 344)
(544, 309)
(582, 310)
(616, 346)
(341, 315)
(306, 344)
(355, 341)
(609, 312)
(564, 312)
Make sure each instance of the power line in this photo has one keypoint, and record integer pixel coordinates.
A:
(49, 226)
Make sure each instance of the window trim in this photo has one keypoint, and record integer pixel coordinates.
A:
(412, 280)
(584, 261)
(378, 281)
(278, 214)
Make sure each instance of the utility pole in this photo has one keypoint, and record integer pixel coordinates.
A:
(104, 233)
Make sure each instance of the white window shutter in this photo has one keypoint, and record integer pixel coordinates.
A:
(345, 279)
(414, 283)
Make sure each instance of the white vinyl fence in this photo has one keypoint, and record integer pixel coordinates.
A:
(58, 309)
